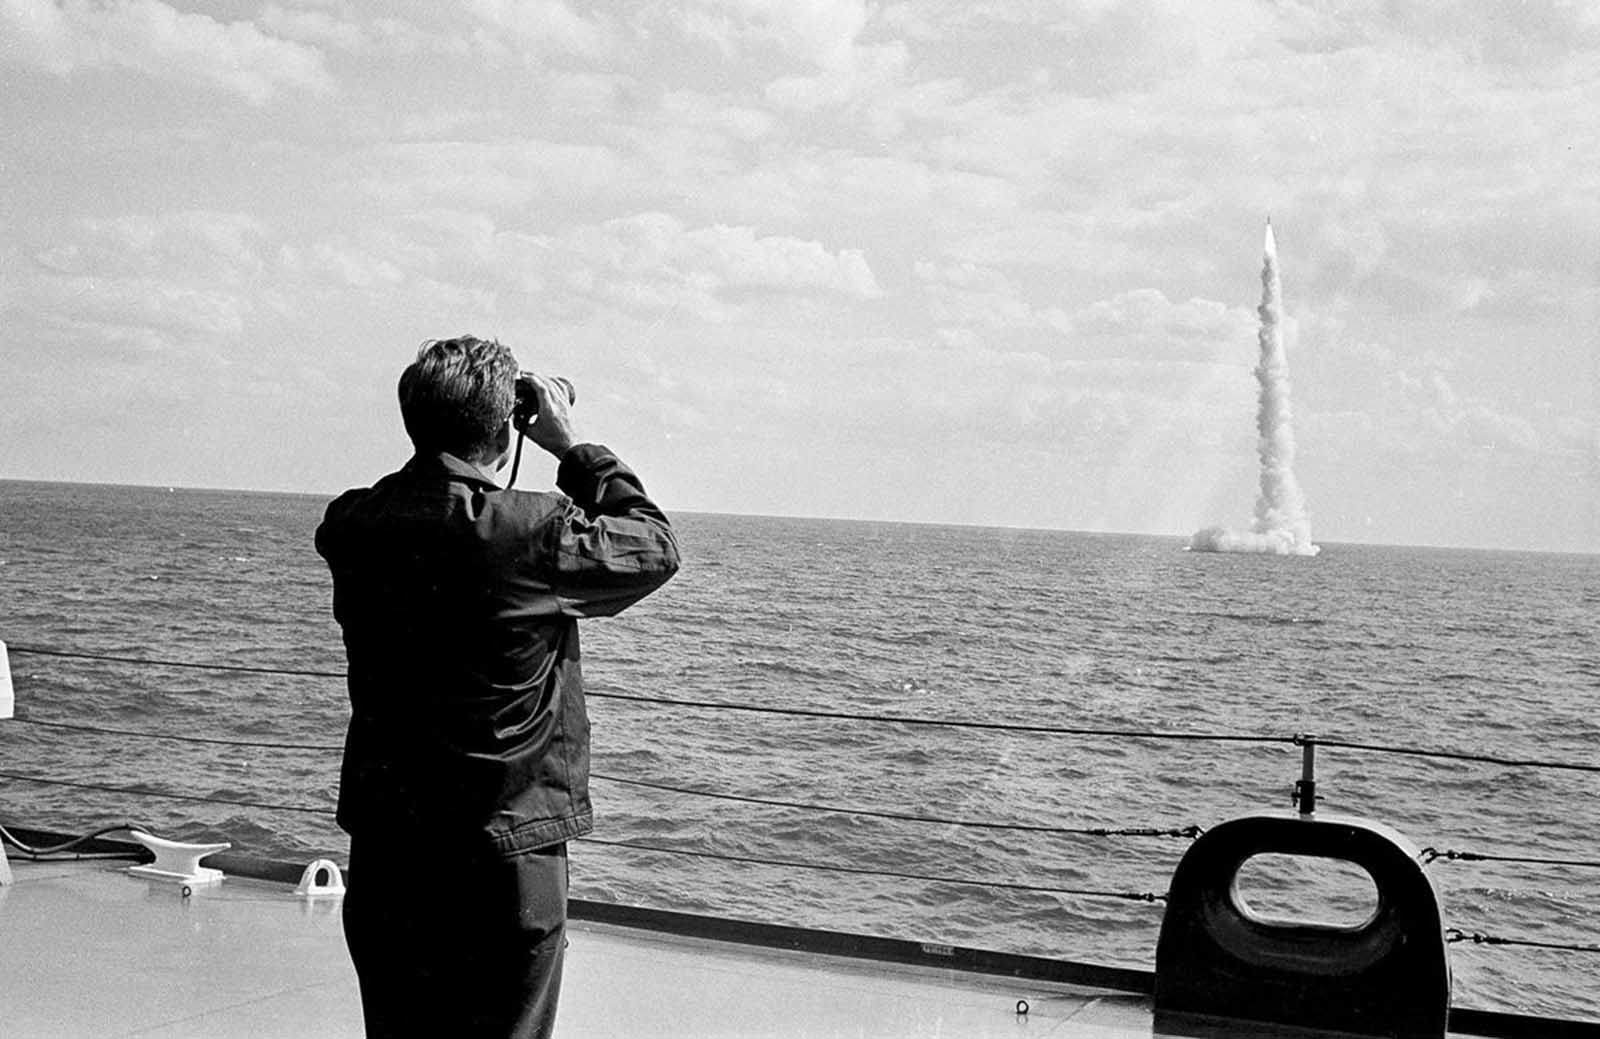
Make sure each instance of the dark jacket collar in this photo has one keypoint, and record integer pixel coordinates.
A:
(443, 463)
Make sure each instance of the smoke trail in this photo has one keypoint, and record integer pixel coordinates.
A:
(1281, 526)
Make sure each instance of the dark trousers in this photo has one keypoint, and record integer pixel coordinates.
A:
(449, 942)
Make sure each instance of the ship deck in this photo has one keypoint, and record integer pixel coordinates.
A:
(87, 950)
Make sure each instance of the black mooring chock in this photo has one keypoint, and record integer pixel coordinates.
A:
(1388, 976)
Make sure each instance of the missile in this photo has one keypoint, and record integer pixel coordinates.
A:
(1270, 246)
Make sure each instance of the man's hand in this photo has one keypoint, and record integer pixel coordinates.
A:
(552, 428)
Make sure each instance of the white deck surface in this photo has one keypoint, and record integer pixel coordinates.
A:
(87, 951)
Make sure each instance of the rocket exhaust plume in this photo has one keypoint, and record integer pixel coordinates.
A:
(1281, 526)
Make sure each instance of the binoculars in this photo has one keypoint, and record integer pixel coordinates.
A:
(528, 398)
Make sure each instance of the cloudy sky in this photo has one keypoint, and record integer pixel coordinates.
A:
(973, 261)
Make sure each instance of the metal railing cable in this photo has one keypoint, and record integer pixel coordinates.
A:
(1452, 935)
(786, 863)
(1191, 831)
(1427, 856)
(1431, 855)
(38, 651)
(175, 737)
(797, 712)
(897, 719)
(1131, 896)
(1450, 755)
(946, 723)
(165, 795)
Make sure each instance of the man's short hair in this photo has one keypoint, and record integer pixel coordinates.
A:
(457, 394)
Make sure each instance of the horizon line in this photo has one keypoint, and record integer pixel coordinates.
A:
(1016, 527)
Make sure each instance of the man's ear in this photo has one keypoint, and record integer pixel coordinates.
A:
(502, 446)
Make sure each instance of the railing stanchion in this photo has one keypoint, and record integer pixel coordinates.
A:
(1305, 789)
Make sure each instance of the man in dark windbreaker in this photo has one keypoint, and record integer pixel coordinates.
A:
(466, 764)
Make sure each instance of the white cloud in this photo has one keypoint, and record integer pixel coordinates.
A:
(783, 263)
(118, 306)
(1108, 47)
(148, 281)
(315, 27)
(705, 112)
(647, 263)
(497, 176)
(1140, 325)
(967, 294)
(349, 265)
(1425, 414)
(540, 27)
(1424, 411)
(197, 244)
(1527, 33)
(822, 32)
(40, 34)
(854, 189)
(861, 73)
(388, 36)
(1144, 323)
(652, 260)
(155, 39)
(823, 37)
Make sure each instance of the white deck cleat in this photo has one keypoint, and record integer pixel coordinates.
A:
(177, 862)
(321, 877)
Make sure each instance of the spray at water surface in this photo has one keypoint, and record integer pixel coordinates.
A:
(1281, 525)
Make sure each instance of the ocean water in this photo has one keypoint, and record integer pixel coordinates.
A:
(1470, 651)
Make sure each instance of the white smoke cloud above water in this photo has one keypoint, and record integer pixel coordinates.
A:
(1281, 525)
(1272, 542)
